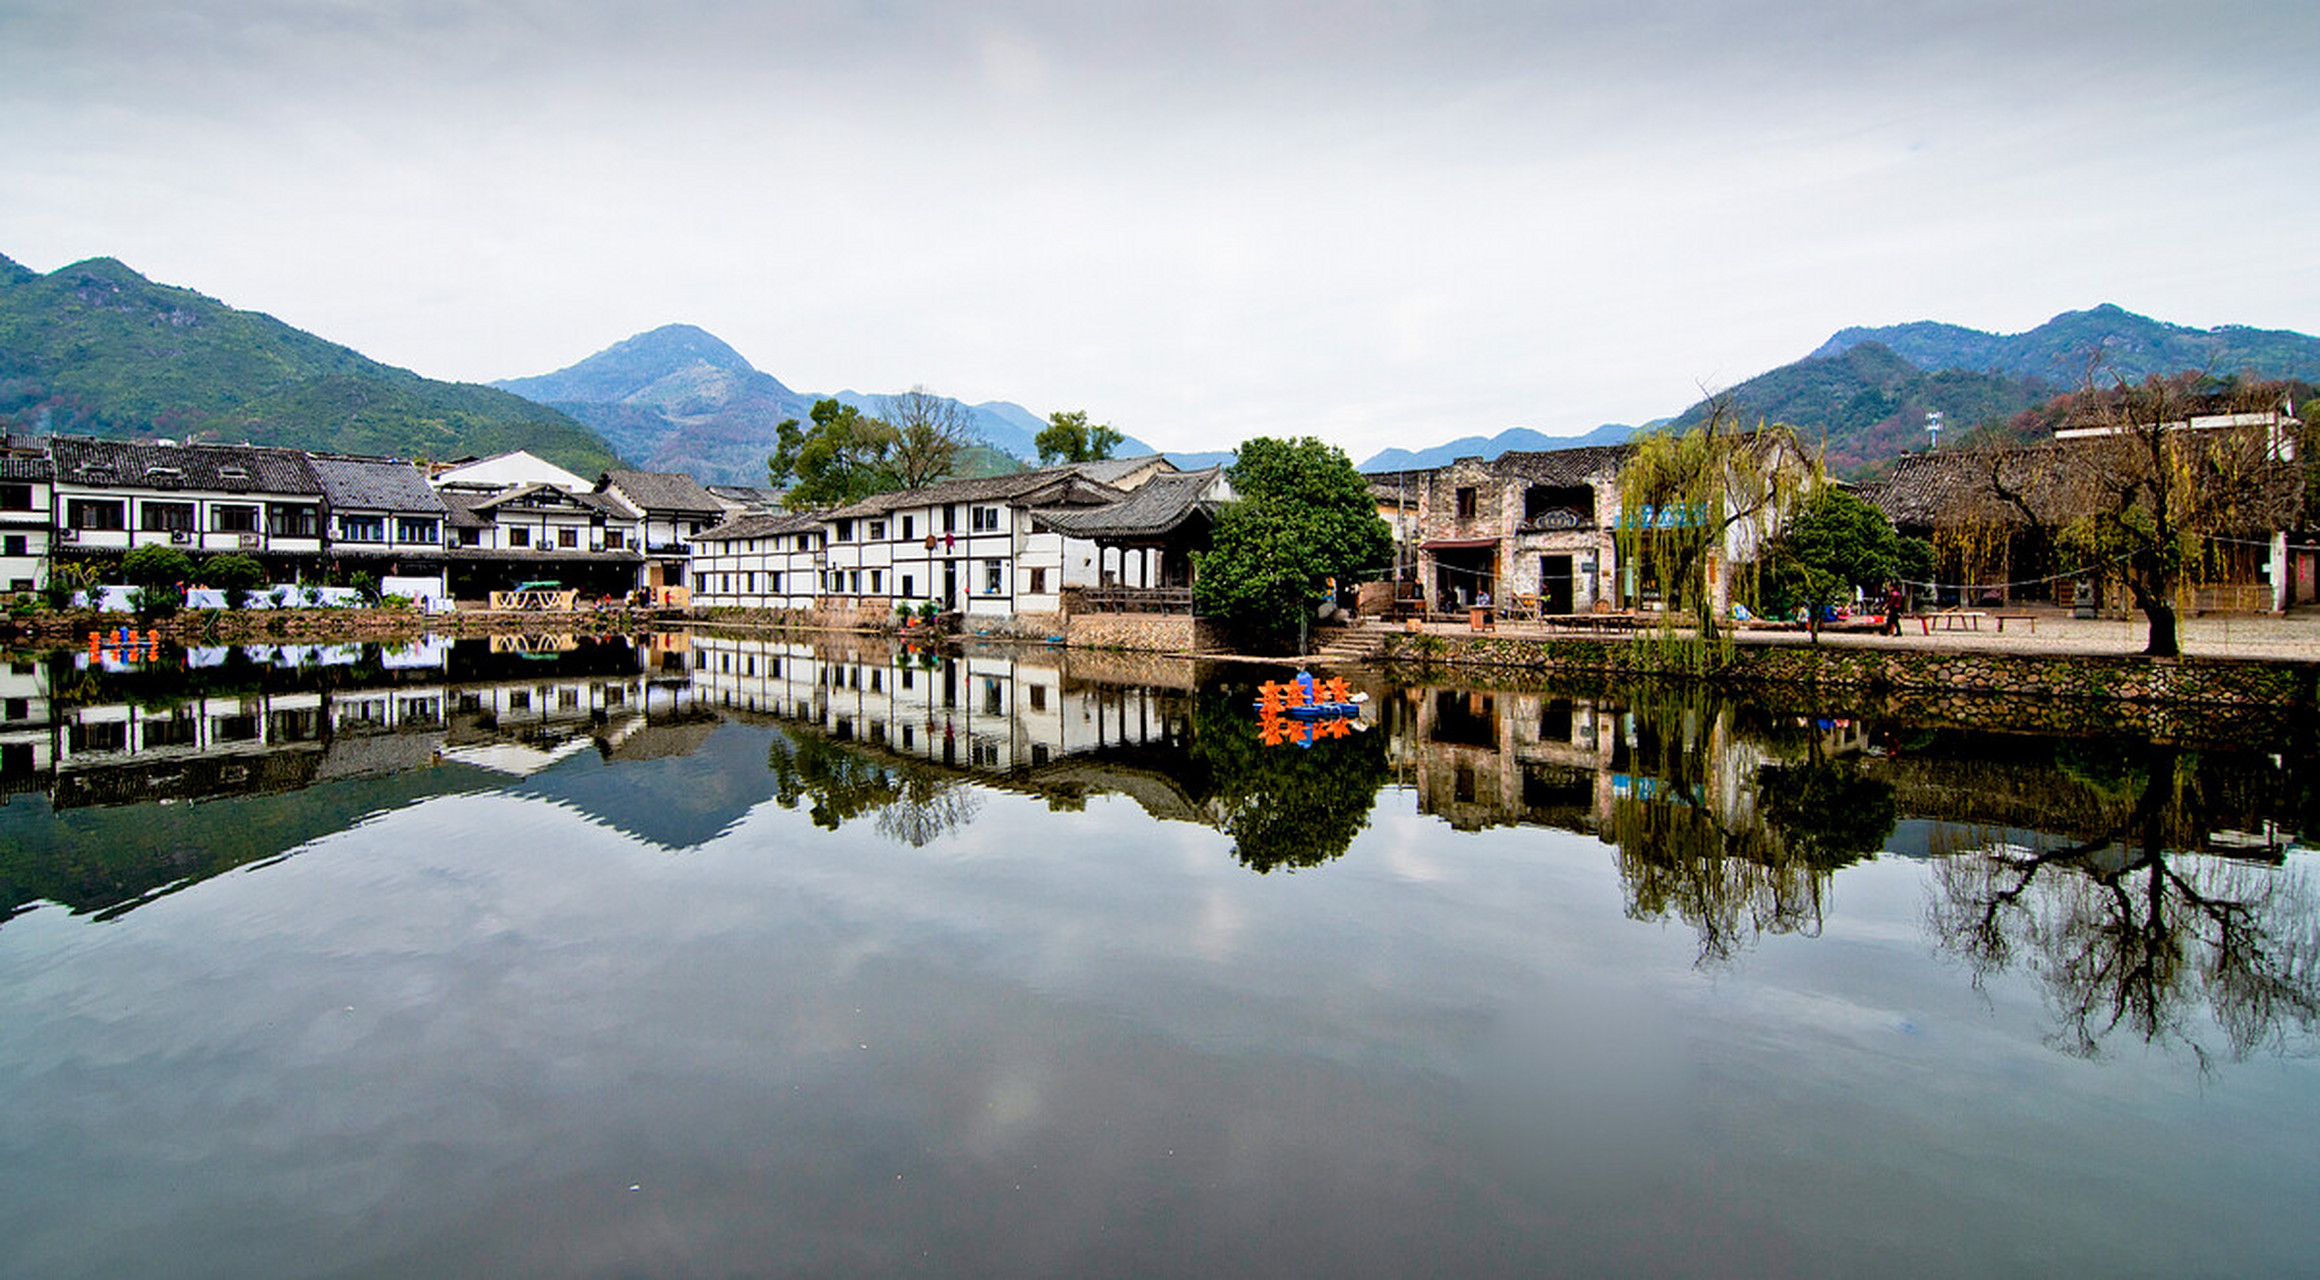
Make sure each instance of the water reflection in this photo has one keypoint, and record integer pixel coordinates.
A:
(2130, 934)
(2145, 885)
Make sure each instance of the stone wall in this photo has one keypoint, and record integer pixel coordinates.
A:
(1150, 632)
(1926, 677)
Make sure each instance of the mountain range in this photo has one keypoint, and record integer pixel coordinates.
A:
(1866, 393)
(95, 348)
(678, 398)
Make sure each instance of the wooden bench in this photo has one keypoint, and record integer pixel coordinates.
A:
(2028, 619)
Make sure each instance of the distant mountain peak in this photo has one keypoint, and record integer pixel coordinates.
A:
(676, 341)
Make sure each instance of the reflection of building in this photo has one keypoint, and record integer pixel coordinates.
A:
(989, 713)
(283, 717)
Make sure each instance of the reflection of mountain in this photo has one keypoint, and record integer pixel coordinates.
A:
(676, 784)
(111, 858)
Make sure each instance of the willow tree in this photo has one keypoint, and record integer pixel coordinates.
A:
(1695, 503)
(2157, 477)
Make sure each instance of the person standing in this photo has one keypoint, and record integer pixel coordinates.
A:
(1894, 601)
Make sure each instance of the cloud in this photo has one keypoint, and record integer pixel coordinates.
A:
(1378, 222)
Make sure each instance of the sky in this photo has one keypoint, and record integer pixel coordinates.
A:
(1380, 222)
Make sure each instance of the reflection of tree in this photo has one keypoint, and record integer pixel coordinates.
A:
(1691, 844)
(2125, 934)
(913, 803)
(1284, 806)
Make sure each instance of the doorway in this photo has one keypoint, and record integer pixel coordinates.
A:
(1555, 595)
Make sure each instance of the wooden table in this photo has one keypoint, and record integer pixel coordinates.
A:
(1952, 620)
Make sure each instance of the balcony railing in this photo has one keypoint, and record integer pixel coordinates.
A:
(1127, 600)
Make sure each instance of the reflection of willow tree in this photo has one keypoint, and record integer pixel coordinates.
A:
(1284, 806)
(1690, 843)
(2124, 934)
(913, 803)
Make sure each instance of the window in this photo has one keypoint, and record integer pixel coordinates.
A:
(1466, 504)
(1038, 695)
(165, 517)
(877, 582)
(18, 709)
(92, 513)
(984, 519)
(845, 531)
(15, 497)
(854, 582)
(951, 518)
(994, 577)
(287, 520)
(15, 545)
(568, 538)
(415, 529)
(775, 588)
(909, 527)
(909, 587)
(228, 518)
(877, 530)
(471, 537)
(613, 541)
(362, 528)
(1039, 582)
(519, 536)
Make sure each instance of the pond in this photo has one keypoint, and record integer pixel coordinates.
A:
(681, 955)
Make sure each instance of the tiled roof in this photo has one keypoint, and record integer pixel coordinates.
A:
(662, 491)
(23, 466)
(1565, 466)
(461, 507)
(1971, 486)
(1114, 470)
(747, 495)
(1159, 506)
(1572, 466)
(760, 526)
(374, 484)
(211, 468)
(1056, 486)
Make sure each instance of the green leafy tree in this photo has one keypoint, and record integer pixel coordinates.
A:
(1831, 544)
(237, 575)
(157, 577)
(1069, 437)
(1285, 806)
(1302, 516)
(844, 457)
(931, 432)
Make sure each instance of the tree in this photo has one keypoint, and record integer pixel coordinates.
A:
(2153, 495)
(157, 576)
(1832, 544)
(235, 574)
(1302, 516)
(2127, 934)
(1070, 438)
(1713, 491)
(845, 457)
(931, 432)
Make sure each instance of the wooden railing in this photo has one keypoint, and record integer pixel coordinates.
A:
(535, 600)
(1127, 600)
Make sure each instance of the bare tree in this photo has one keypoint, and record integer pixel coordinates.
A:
(2160, 473)
(935, 431)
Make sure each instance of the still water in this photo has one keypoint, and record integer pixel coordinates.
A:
(686, 956)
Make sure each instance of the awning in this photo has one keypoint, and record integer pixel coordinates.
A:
(1456, 544)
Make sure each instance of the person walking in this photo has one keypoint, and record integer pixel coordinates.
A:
(1894, 600)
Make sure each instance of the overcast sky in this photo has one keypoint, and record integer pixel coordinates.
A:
(1392, 222)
